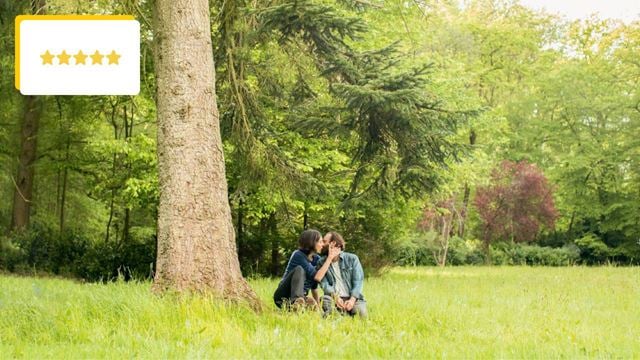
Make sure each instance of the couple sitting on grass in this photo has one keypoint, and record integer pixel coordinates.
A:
(339, 273)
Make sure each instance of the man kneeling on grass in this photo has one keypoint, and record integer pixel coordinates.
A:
(342, 284)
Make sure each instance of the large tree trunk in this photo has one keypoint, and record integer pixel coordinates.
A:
(196, 240)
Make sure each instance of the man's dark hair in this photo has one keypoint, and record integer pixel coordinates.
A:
(308, 239)
(337, 239)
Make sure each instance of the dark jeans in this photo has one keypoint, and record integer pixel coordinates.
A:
(360, 308)
(291, 287)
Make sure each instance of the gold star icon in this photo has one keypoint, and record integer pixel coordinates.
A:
(113, 57)
(47, 58)
(80, 58)
(64, 58)
(96, 58)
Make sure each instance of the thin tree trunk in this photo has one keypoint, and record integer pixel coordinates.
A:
(58, 191)
(275, 245)
(127, 225)
(62, 132)
(23, 190)
(128, 131)
(487, 252)
(305, 218)
(196, 240)
(111, 210)
(467, 193)
(23, 183)
(240, 225)
(447, 221)
(65, 176)
(116, 132)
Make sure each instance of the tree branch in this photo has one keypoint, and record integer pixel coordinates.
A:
(19, 192)
(367, 3)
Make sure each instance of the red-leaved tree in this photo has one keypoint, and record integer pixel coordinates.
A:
(516, 205)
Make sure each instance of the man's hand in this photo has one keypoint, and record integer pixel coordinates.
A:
(349, 304)
(334, 252)
(340, 303)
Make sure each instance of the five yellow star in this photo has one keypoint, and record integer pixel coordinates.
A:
(97, 58)
(80, 58)
(113, 57)
(64, 58)
(47, 58)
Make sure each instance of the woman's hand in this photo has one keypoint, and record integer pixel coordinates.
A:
(334, 252)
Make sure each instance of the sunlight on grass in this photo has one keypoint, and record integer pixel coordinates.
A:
(432, 271)
(469, 312)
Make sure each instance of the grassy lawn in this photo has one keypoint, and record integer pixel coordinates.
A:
(463, 312)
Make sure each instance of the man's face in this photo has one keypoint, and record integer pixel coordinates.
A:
(325, 244)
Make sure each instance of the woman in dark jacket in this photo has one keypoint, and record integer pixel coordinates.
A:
(301, 274)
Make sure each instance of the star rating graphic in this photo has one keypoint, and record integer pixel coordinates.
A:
(80, 58)
(76, 55)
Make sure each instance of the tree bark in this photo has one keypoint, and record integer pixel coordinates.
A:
(196, 240)
(128, 132)
(486, 247)
(127, 225)
(65, 176)
(106, 237)
(305, 218)
(447, 223)
(240, 228)
(23, 190)
(467, 192)
(275, 245)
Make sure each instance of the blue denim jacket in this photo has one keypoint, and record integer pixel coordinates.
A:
(351, 271)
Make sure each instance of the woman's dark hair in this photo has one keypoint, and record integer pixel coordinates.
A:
(308, 239)
(337, 239)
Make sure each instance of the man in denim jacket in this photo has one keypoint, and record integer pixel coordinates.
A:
(342, 284)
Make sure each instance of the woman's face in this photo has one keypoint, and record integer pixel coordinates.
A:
(319, 246)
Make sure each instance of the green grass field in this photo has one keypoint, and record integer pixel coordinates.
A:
(463, 312)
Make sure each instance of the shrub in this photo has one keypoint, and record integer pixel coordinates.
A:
(469, 252)
(10, 255)
(131, 259)
(45, 250)
(593, 249)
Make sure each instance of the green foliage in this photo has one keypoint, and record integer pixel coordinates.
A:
(44, 250)
(10, 254)
(595, 251)
(108, 261)
(419, 252)
(516, 254)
